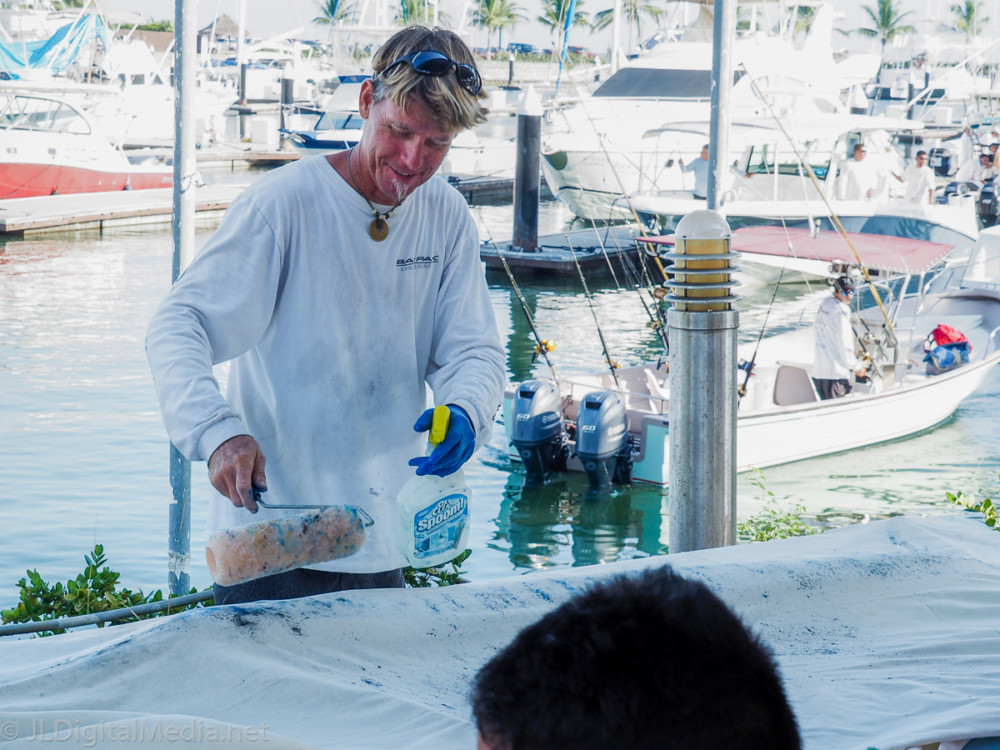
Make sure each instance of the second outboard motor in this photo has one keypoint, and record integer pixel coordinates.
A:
(987, 206)
(602, 440)
(538, 432)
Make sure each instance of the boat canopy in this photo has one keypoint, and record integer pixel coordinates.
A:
(59, 51)
(876, 251)
(659, 83)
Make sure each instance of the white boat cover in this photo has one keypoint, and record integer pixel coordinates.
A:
(887, 635)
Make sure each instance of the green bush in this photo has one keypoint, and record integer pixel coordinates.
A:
(93, 590)
(773, 522)
(985, 506)
(443, 575)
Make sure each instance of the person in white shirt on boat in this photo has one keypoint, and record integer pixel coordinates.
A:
(339, 288)
(700, 168)
(835, 361)
(985, 171)
(860, 179)
(919, 180)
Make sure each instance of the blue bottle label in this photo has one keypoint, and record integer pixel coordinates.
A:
(438, 527)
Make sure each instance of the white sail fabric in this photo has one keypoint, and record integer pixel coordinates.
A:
(887, 635)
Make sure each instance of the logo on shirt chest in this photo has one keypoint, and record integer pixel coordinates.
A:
(417, 261)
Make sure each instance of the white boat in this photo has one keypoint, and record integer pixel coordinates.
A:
(780, 418)
(339, 126)
(50, 148)
(594, 151)
(769, 185)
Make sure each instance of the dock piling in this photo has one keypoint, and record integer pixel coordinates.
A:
(526, 174)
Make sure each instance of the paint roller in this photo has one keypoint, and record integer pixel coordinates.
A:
(327, 532)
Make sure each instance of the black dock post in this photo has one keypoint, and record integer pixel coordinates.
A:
(526, 175)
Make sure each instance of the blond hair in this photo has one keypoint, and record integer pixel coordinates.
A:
(451, 104)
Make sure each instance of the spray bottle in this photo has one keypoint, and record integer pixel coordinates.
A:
(432, 512)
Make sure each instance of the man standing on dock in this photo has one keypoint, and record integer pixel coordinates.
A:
(340, 288)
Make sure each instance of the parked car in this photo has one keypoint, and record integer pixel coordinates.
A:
(580, 51)
(522, 49)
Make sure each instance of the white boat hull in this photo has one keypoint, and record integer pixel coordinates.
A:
(781, 420)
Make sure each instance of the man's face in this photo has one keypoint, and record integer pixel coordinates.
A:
(921, 159)
(859, 153)
(401, 149)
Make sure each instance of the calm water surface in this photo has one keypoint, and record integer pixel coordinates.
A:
(85, 453)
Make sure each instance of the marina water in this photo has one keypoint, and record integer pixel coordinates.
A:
(85, 458)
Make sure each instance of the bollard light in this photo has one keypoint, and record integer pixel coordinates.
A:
(702, 264)
(701, 326)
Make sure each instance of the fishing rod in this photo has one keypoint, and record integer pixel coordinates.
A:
(590, 301)
(604, 250)
(656, 321)
(833, 215)
(542, 346)
(618, 179)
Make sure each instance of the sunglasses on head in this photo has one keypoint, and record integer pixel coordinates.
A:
(430, 63)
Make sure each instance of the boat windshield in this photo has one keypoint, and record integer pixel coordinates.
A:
(35, 113)
(340, 121)
(766, 159)
(659, 83)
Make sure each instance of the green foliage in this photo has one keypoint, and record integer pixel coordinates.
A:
(93, 590)
(984, 506)
(772, 522)
(969, 18)
(886, 22)
(443, 575)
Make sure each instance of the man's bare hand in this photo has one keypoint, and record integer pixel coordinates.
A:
(236, 466)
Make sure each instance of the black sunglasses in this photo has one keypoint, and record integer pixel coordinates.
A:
(430, 63)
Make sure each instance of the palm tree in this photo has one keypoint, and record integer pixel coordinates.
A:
(968, 18)
(335, 11)
(419, 11)
(554, 14)
(887, 22)
(498, 15)
(632, 12)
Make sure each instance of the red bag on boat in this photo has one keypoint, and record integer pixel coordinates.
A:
(943, 335)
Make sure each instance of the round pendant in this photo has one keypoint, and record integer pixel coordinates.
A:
(378, 230)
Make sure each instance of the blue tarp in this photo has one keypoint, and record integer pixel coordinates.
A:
(58, 52)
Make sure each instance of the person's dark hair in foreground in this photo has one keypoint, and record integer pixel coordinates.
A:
(638, 662)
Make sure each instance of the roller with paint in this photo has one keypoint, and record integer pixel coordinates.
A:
(327, 532)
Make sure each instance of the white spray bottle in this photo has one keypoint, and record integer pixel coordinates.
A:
(432, 512)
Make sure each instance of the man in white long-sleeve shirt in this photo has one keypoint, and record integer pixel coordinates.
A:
(834, 359)
(340, 287)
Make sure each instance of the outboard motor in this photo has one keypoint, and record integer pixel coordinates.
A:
(538, 432)
(987, 206)
(602, 440)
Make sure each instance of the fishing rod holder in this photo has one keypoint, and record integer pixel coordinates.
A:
(701, 264)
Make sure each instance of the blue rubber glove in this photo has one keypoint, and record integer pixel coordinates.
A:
(456, 448)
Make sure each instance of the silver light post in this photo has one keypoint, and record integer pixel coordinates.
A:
(702, 324)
